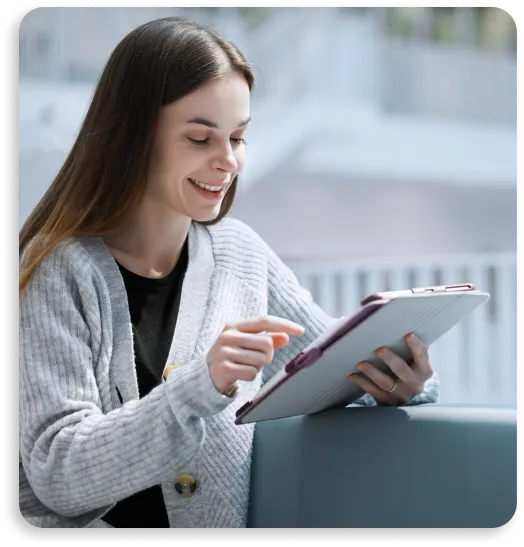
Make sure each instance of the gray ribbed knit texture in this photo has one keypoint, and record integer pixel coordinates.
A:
(81, 450)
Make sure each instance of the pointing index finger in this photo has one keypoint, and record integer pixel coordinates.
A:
(269, 323)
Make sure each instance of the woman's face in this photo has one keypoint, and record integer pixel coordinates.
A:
(199, 142)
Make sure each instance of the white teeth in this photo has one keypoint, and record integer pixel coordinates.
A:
(206, 186)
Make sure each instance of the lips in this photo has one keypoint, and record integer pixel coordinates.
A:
(213, 195)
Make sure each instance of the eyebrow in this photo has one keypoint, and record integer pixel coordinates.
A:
(208, 123)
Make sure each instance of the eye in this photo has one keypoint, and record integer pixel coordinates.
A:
(238, 141)
(197, 142)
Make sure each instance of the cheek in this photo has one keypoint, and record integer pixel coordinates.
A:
(240, 157)
(173, 164)
(161, 161)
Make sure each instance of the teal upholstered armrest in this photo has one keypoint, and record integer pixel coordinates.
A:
(422, 466)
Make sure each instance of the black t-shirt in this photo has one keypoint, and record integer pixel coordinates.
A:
(153, 306)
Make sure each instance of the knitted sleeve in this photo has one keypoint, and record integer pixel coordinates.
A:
(76, 457)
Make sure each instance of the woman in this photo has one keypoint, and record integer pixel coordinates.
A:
(142, 306)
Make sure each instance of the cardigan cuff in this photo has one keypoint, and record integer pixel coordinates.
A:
(191, 390)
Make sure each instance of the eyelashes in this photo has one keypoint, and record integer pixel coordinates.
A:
(196, 142)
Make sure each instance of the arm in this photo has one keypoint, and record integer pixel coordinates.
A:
(77, 458)
(289, 300)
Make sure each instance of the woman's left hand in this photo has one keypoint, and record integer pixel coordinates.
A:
(408, 379)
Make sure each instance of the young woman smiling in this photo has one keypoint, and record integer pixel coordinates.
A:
(147, 316)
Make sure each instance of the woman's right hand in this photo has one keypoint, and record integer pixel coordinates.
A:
(243, 348)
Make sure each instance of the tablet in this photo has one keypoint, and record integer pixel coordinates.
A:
(317, 378)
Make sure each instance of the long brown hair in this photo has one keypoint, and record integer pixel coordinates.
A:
(102, 181)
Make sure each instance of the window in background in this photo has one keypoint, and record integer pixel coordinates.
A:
(496, 30)
(255, 17)
(43, 45)
(81, 72)
(400, 22)
(443, 31)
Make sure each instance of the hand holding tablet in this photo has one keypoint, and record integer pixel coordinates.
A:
(403, 380)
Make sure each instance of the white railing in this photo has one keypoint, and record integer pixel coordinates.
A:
(476, 360)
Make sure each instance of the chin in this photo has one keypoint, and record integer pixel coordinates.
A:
(206, 216)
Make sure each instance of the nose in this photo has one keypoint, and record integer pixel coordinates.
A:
(225, 160)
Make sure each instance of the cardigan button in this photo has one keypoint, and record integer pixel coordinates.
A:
(185, 485)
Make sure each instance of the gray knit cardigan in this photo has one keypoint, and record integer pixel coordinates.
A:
(81, 448)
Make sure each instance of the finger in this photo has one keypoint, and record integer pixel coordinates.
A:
(261, 342)
(379, 378)
(420, 352)
(239, 356)
(398, 366)
(269, 323)
(254, 342)
(280, 339)
(369, 387)
(247, 373)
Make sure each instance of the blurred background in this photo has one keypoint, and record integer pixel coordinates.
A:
(382, 153)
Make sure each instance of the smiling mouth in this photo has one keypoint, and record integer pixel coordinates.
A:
(204, 186)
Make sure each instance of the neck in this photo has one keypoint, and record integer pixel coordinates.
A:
(151, 244)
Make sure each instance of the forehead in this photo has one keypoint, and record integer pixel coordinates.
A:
(224, 101)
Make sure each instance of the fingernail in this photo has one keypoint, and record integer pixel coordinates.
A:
(361, 365)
